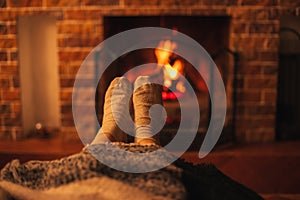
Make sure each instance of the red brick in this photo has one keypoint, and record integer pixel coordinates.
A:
(268, 56)
(66, 95)
(207, 11)
(67, 82)
(220, 2)
(77, 28)
(240, 14)
(241, 110)
(179, 3)
(11, 133)
(264, 28)
(274, 13)
(255, 122)
(255, 42)
(290, 3)
(16, 108)
(255, 13)
(12, 121)
(69, 55)
(249, 96)
(6, 15)
(288, 11)
(258, 42)
(61, 42)
(250, 54)
(5, 134)
(8, 42)
(141, 3)
(100, 3)
(2, 3)
(5, 109)
(240, 27)
(83, 15)
(270, 70)
(4, 83)
(260, 110)
(245, 43)
(10, 95)
(69, 68)
(58, 14)
(260, 2)
(14, 56)
(67, 120)
(240, 135)
(80, 42)
(8, 69)
(3, 56)
(269, 82)
(250, 69)
(270, 97)
(3, 29)
(240, 82)
(73, 69)
(63, 68)
(12, 29)
(12, 15)
(16, 82)
(165, 2)
(70, 134)
(270, 43)
(260, 135)
(168, 3)
(59, 3)
(65, 109)
(24, 3)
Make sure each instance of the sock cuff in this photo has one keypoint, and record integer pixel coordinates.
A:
(143, 132)
(141, 80)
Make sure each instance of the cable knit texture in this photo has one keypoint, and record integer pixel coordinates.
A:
(116, 118)
(146, 94)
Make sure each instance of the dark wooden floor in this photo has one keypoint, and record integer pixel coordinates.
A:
(272, 169)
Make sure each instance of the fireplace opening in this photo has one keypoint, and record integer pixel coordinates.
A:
(212, 33)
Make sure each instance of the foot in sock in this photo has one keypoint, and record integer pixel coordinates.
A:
(145, 95)
(116, 118)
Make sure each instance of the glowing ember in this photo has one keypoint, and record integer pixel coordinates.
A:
(171, 95)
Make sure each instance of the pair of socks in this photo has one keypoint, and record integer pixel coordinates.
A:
(147, 115)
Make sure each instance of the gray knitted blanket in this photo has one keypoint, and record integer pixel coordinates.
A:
(72, 175)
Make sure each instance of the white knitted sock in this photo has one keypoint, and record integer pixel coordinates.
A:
(116, 118)
(147, 121)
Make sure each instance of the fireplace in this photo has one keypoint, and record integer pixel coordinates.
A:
(210, 32)
(81, 25)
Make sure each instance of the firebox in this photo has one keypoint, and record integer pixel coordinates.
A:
(212, 33)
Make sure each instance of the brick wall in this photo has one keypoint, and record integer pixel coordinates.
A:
(254, 34)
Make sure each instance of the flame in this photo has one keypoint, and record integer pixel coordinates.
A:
(180, 87)
(171, 72)
(163, 53)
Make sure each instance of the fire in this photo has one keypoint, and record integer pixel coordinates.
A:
(171, 72)
(172, 78)
(164, 51)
